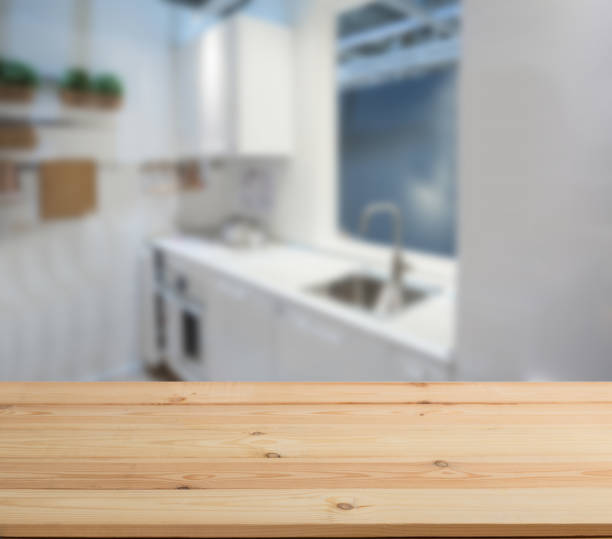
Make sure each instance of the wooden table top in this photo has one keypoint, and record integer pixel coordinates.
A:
(283, 460)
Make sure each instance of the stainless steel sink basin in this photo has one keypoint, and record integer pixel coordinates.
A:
(363, 291)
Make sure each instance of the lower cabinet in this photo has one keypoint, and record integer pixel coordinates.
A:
(312, 347)
(213, 327)
(185, 306)
(412, 366)
(240, 327)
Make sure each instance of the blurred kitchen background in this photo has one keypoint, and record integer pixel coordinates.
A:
(326, 190)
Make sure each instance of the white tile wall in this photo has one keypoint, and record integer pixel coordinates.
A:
(68, 289)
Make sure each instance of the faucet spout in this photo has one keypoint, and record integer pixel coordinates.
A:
(375, 208)
(390, 297)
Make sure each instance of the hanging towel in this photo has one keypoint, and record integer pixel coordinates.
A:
(67, 188)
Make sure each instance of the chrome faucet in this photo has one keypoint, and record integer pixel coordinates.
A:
(390, 298)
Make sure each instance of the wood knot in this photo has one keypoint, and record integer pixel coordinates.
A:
(177, 398)
(345, 506)
(183, 487)
(256, 433)
(441, 463)
(273, 455)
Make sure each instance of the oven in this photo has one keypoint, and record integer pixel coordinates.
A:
(186, 328)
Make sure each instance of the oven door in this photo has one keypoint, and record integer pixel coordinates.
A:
(187, 341)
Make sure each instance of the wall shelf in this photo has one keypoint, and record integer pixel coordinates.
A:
(61, 131)
(47, 109)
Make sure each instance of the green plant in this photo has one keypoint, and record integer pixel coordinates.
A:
(108, 84)
(76, 80)
(17, 74)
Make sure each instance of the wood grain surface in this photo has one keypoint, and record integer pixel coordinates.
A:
(305, 460)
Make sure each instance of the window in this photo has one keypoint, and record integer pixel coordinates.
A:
(398, 127)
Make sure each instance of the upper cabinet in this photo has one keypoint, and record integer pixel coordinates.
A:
(234, 90)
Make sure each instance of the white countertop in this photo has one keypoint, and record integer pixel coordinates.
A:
(288, 270)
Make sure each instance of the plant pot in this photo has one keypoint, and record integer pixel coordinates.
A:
(73, 98)
(16, 93)
(108, 102)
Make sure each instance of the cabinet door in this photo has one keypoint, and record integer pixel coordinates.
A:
(187, 338)
(314, 347)
(263, 67)
(412, 366)
(202, 93)
(234, 90)
(188, 102)
(185, 300)
(240, 325)
(215, 90)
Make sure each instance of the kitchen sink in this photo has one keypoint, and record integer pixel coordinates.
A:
(362, 291)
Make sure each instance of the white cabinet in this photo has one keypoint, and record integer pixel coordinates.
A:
(203, 101)
(313, 347)
(263, 87)
(240, 325)
(218, 327)
(411, 366)
(185, 295)
(234, 90)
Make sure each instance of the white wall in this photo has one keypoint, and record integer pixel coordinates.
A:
(130, 39)
(37, 31)
(68, 289)
(306, 209)
(536, 191)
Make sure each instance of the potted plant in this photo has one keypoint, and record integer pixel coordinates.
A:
(108, 91)
(17, 81)
(76, 87)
